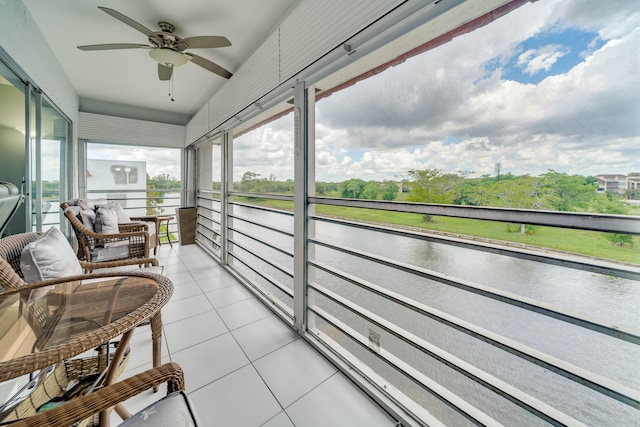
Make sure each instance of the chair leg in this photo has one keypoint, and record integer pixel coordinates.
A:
(156, 340)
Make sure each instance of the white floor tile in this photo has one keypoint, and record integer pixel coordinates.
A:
(179, 278)
(239, 399)
(293, 370)
(194, 330)
(337, 402)
(243, 312)
(206, 362)
(280, 420)
(219, 280)
(206, 271)
(178, 267)
(264, 336)
(185, 308)
(186, 290)
(230, 295)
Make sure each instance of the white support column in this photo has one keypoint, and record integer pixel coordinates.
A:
(226, 185)
(304, 179)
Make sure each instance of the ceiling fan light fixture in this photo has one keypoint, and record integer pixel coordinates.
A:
(168, 57)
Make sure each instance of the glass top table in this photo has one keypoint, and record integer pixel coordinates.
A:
(45, 324)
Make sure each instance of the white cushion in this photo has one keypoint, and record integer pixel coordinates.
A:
(123, 218)
(49, 257)
(88, 219)
(172, 410)
(106, 220)
(91, 204)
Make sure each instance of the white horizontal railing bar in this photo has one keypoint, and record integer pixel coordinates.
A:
(515, 250)
(209, 239)
(452, 400)
(259, 224)
(208, 195)
(579, 375)
(284, 197)
(207, 227)
(595, 222)
(263, 242)
(146, 190)
(261, 208)
(203, 191)
(214, 221)
(206, 208)
(281, 269)
(266, 277)
(598, 325)
(503, 389)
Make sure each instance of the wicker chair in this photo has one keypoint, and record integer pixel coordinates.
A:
(11, 276)
(11, 248)
(173, 409)
(134, 236)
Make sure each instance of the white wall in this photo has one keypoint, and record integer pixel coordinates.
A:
(23, 41)
(119, 130)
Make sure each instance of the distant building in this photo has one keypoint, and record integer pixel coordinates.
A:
(609, 183)
(122, 181)
(633, 187)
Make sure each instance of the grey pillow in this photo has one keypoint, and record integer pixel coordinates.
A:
(88, 219)
(123, 218)
(106, 220)
(49, 257)
(91, 204)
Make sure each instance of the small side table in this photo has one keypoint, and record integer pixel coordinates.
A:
(167, 219)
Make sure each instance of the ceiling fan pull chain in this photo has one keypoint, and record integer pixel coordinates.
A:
(171, 89)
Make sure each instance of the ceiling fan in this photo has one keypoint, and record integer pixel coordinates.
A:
(167, 48)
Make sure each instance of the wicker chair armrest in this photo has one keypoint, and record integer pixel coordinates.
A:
(83, 407)
(118, 263)
(131, 227)
(146, 218)
(88, 276)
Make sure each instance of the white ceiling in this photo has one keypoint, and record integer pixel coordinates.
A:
(130, 76)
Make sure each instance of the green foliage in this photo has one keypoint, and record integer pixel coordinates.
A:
(352, 188)
(371, 190)
(620, 240)
(389, 190)
(155, 198)
(434, 186)
(608, 204)
(252, 183)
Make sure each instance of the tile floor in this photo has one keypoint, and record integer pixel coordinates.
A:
(243, 366)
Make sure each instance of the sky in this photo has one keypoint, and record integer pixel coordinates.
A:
(553, 85)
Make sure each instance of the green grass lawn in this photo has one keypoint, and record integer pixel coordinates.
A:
(590, 243)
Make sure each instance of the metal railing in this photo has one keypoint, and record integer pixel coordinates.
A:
(140, 203)
(442, 343)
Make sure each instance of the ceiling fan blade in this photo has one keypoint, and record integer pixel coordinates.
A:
(164, 72)
(111, 46)
(208, 65)
(203, 42)
(130, 22)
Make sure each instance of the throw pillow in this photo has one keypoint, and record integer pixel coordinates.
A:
(123, 218)
(106, 220)
(49, 257)
(91, 204)
(88, 219)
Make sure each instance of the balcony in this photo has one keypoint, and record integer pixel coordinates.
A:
(243, 365)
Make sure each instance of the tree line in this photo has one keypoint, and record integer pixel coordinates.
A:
(549, 191)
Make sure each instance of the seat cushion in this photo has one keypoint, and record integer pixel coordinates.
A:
(111, 251)
(170, 411)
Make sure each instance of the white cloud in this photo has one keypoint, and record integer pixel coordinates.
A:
(443, 109)
(535, 60)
